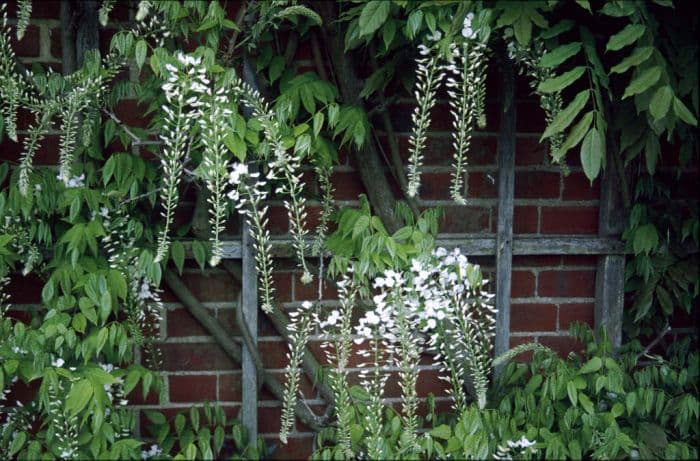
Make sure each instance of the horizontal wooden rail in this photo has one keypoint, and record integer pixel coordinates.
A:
(282, 248)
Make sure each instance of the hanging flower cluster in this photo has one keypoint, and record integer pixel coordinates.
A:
(551, 102)
(282, 166)
(437, 305)
(467, 92)
(248, 194)
(299, 328)
(466, 89)
(183, 89)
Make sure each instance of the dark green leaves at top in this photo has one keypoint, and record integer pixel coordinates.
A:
(562, 81)
(661, 102)
(592, 153)
(683, 113)
(638, 56)
(564, 118)
(559, 54)
(645, 239)
(374, 14)
(79, 396)
(625, 37)
(643, 82)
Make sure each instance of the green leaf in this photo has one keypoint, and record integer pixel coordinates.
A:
(79, 396)
(557, 29)
(155, 417)
(374, 14)
(276, 68)
(567, 115)
(199, 252)
(236, 145)
(592, 154)
(140, 53)
(572, 392)
(388, 33)
(643, 82)
(661, 102)
(559, 55)
(645, 239)
(638, 56)
(177, 252)
(17, 442)
(562, 81)
(443, 431)
(523, 30)
(575, 135)
(652, 148)
(318, 123)
(591, 366)
(683, 113)
(630, 402)
(625, 37)
(586, 403)
(413, 24)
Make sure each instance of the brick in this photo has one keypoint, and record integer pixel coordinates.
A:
(536, 260)
(515, 341)
(131, 113)
(579, 260)
(181, 323)
(55, 37)
(569, 220)
(430, 383)
(278, 221)
(578, 187)
(522, 284)
(462, 219)
(435, 186)
(136, 397)
(273, 353)
(306, 387)
(46, 154)
(28, 47)
(533, 317)
(195, 357)
(348, 185)
(227, 318)
(563, 345)
(530, 117)
(529, 151)
(525, 220)
(24, 289)
(269, 419)
(192, 388)
(283, 286)
(295, 448)
(22, 392)
(567, 283)
(482, 185)
(309, 291)
(207, 286)
(575, 312)
(536, 184)
(45, 9)
(230, 388)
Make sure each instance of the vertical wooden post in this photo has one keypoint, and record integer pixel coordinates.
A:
(249, 311)
(506, 185)
(610, 273)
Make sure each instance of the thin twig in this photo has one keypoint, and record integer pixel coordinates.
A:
(664, 332)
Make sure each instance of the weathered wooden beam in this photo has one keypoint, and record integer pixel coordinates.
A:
(506, 192)
(233, 350)
(479, 246)
(610, 273)
(248, 308)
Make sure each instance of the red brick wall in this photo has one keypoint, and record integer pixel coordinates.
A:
(549, 292)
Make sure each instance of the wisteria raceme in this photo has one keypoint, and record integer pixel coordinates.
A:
(338, 328)
(215, 164)
(183, 90)
(428, 77)
(24, 13)
(299, 327)
(527, 58)
(282, 166)
(248, 195)
(324, 182)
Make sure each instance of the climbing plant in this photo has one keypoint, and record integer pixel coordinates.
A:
(230, 115)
